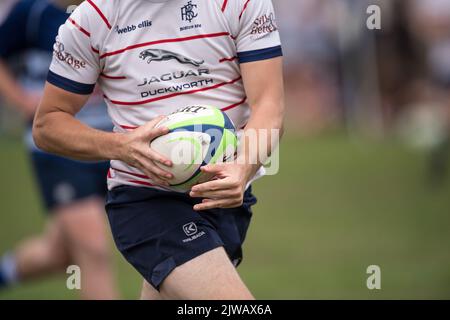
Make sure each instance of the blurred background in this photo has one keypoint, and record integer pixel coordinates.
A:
(364, 162)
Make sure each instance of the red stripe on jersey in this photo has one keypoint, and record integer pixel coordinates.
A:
(109, 173)
(142, 183)
(100, 13)
(140, 45)
(127, 127)
(148, 184)
(95, 50)
(224, 5)
(131, 173)
(111, 77)
(235, 105)
(243, 10)
(79, 27)
(172, 95)
(227, 59)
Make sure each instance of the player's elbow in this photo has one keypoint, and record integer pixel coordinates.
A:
(39, 134)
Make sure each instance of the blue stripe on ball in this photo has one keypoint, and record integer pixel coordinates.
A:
(213, 146)
(228, 124)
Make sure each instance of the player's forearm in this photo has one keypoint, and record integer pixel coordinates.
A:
(261, 135)
(61, 133)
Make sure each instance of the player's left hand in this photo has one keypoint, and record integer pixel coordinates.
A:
(226, 190)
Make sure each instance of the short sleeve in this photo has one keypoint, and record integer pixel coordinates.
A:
(258, 37)
(75, 65)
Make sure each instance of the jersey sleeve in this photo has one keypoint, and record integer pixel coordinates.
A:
(258, 37)
(75, 66)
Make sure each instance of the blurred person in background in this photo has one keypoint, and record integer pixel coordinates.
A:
(398, 77)
(430, 23)
(311, 61)
(399, 61)
(5, 8)
(73, 192)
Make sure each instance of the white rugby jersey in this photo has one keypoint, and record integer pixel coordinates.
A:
(151, 57)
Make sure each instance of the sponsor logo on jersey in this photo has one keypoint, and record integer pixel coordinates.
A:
(60, 53)
(264, 24)
(133, 27)
(188, 12)
(177, 87)
(163, 55)
(174, 76)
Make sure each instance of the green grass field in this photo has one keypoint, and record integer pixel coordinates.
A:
(336, 207)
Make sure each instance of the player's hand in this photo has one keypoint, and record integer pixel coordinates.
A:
(137, 152)
(226, 190)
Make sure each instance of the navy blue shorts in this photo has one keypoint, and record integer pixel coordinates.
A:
(62, 181)
(156, 231)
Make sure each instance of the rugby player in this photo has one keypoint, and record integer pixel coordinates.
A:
(151, 57)
(73, 192)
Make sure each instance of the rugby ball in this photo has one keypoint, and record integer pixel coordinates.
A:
(199, 135)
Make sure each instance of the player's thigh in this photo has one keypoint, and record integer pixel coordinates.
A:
(149, 293)
(209, 276)
(85, 227)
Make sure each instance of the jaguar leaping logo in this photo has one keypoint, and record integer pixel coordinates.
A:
(150, 55)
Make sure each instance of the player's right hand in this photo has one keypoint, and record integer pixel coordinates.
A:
(137, 152)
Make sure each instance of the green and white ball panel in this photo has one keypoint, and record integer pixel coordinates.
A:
(186, 149)
(227, 148)
(194, 115)
(225, 152)
(199, 135)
